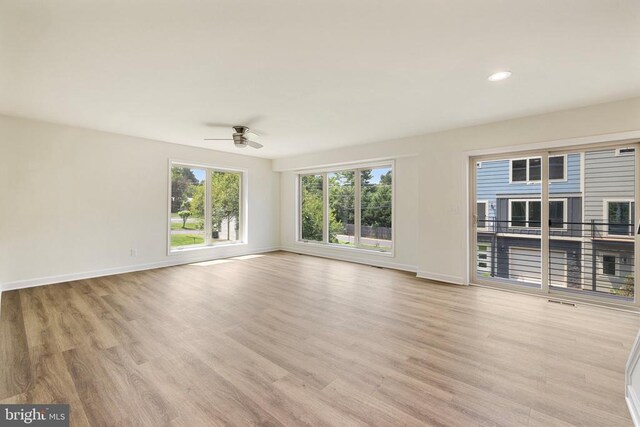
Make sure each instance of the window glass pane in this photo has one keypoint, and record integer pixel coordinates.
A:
(556, 167)
(311, 215)
(609, 265)
(619, 218)
(342, 194)
(187, 206)
(535, 169)
(482, 214)
(225, 207)
(518, 170)
(518, 214)
(375, 209)
(534, 214)
(556, 213)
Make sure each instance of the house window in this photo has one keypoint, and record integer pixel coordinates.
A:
(519, 170)
(609, 265)
(557, 209)
(527, 213)
(557, 166)
(620, 216)
(524, 213)
(530, 170)
(206, 206)
(482, 212)
(349, 208)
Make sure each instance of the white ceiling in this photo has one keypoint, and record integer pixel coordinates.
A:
(310, 75)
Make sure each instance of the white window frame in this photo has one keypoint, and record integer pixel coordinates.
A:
(486, 212)
(527, 201)
(565, 212)
(528, 180)
(605, 217)
(565, 173)
(209, 243)
(344, 168)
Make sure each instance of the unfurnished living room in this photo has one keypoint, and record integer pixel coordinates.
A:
(320, 213)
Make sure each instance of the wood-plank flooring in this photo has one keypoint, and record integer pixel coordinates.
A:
(286, 339)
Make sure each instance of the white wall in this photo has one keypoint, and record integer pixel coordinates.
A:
(431, 199)
(75, 201)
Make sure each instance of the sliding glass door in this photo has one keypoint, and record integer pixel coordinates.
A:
(557, 222)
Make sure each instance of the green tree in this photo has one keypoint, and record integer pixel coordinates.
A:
(341, 203)
(225, 200)
(311, 213)
(184, 215)
(197, 200)
(182, 179)
(376, 200)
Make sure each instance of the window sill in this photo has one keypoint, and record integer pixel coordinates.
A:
(203, 248)
(345, 248)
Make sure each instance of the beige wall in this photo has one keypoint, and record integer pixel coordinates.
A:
(431, 199)
(75, 201)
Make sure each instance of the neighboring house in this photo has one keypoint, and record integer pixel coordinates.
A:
(585, 252)
(609, 188)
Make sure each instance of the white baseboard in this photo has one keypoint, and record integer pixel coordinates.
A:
(171, 261)
(456, 280)
(342, 255)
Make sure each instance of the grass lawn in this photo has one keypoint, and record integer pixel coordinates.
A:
(189, 226)
(186, 239)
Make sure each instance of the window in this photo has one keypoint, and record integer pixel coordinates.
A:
(530, 170)
(609, 265)
(205, 207)
(557, 213)
(557, 167)
(527, 213)
(620, 216)
(311, 207)
(375, 208)
(342, 208)
(225, 207)
(534, 214)
(481, 212)
(524, 213)
(349, 208)
(519, 170)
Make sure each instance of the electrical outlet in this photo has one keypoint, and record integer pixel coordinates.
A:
(134, 252)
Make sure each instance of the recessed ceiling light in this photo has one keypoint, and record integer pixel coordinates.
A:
(500, 75)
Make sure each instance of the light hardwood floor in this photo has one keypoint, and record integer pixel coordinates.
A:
(285, 339)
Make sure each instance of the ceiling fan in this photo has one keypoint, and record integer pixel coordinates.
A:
(241, 138)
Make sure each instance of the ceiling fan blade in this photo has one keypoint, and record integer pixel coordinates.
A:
(251, 135)
(218, 139)
(254, 144)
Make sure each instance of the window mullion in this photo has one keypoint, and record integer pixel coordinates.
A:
(357, 208)
(544, 222)
(207, 207)
(325, 207)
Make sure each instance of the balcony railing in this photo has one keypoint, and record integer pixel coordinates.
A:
(592, 229)
(593, 256)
